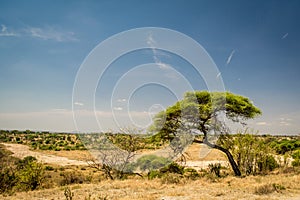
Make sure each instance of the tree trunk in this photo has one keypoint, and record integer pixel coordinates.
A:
(233, 164)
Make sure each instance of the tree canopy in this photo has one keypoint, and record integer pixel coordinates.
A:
(204, 112)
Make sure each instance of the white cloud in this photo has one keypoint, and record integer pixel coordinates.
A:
(5, 32)
(118, 108)
(78, 104)
(219, 74)
(3, 28)
(284, 36)
(230, 57)
(283, 123)
(50, 33)
(44, 33)
(152, 43)
(163, 65)
(261, 123)
(121, 100)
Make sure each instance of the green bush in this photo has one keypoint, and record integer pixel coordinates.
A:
(296, 156)
(251, 153)
(49, 168)
(191, 173)
(285, 145)
(8, 180)
(31, 175)
(172, 168)
(151, 162)
(154, 174)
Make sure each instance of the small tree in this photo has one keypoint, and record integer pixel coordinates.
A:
(200, 112)
(113, 153)
(31, 173)
(252, 154)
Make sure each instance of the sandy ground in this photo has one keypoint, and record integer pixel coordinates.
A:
(227, 188)
(21, 151)
(63, 158)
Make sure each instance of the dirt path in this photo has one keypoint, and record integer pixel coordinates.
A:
(21, 151)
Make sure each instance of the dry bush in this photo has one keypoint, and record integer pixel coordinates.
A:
(268, 188)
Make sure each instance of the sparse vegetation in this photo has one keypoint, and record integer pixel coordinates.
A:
(43, 140)
(253, 153)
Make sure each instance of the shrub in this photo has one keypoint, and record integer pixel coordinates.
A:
(252, 153)
(172, 168)
(285, 145)
(71, 178)
(215, 169)
(8, 180)
(154, 174)
(268, 188)
(31, 175)
(49, 168)
(172, 178)
(151, 162)
(191, 173)
(264, 189)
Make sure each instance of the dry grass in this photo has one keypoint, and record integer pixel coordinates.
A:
(210, 154)
(275, 186)
(227, 188)
(74, 154)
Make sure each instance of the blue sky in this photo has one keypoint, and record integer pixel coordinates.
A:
(255, 45)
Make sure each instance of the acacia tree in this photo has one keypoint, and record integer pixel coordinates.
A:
(204, 112)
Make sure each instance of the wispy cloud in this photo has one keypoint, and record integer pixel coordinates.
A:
(118, 108)
(152, 43)
(285, 121)
(5, 32)
(284, 36)
(78, 104)
(44, 33)
(218, 75)
(230, 57)
(59, 110)
(121, 100)
(50, 33)
(262, 123)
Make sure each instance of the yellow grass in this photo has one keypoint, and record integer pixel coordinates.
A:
(227, 188)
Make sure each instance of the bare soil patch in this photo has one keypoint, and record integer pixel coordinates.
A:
(21, 151)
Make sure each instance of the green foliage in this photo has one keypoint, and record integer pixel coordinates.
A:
(127, 142)
(19, 175)
(31, 174)
(197, 111)
(251, 153)
(285, 145)
(296, 156)
(8, 180)
(168, 170)
(49, 168)
(154, 174)
(44, 140)
(151, 162)
(173, 168)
